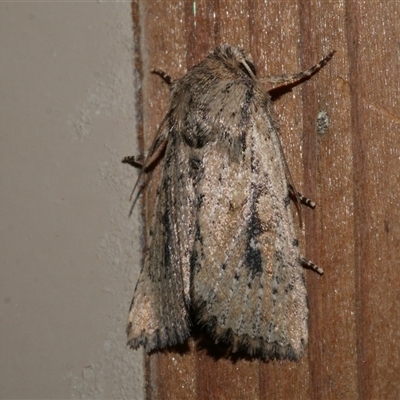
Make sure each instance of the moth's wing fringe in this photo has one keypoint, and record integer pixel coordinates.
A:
(158, 340)
(254, 347)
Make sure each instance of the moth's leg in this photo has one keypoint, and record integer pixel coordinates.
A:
(287, 79)
(134, 161)
(311, 265)
(140, 160)
(297, 196)
(306, 201)
(311, 204)
(167, 78)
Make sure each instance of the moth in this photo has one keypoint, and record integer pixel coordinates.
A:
(222, 250)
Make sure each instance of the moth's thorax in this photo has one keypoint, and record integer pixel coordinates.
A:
(216, 93)
(226, 63)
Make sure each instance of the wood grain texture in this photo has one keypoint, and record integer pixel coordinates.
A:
(352, 172)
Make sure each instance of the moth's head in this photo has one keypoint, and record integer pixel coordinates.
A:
(236, 58)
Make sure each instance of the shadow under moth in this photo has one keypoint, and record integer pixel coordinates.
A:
(222, 251)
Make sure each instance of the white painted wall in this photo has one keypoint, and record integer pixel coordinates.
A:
(69, 254)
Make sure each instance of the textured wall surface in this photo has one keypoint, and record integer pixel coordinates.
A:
(69, 253)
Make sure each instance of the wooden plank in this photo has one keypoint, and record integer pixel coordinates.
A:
(332, 362)
(352, 171)
(374, 68)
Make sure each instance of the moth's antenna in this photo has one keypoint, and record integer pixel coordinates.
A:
(248, 69)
